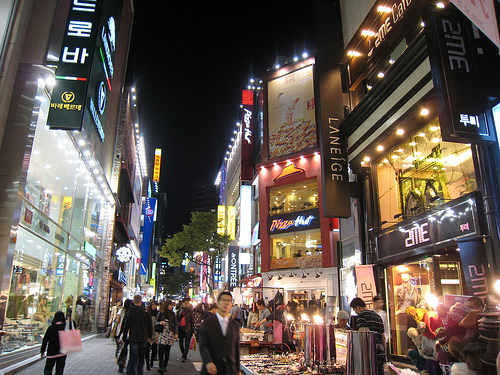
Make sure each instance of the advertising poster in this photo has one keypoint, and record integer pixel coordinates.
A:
(291, 113)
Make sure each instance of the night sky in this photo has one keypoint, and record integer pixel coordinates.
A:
(189, 62)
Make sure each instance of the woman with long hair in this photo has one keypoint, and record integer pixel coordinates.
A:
(51, 344)
(152, 346)
(122, 357)
(166, 325)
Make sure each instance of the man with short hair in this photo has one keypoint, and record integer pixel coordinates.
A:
(219, 338)
(138, 330)
(378, 307)
(263, 313)
(185, 320)
(369, 320)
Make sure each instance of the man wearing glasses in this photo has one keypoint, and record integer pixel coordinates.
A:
(219, 340)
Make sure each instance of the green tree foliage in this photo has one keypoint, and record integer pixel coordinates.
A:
(197, 238)
(176, 284)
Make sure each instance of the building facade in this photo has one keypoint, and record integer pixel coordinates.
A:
(57, 204)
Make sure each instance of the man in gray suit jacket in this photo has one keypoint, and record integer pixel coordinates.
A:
(219, 340)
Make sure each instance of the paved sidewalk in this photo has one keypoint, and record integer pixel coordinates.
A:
(98, 358)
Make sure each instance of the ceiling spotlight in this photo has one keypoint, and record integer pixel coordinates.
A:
(400, 132)
(435, 198)
(413, 209)
(277, 66)
(353, 53)
(270, 277)
(424, 112)
(440, 5)
(398, 215)
(291, 274)
(280, 276)
(295, 59)
(304, 274)
(318, 274)
(305, 55)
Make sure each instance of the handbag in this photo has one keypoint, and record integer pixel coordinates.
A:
(192, 345)
(70, 340)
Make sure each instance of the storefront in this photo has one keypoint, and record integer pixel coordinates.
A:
(58, 243)
(419, 195)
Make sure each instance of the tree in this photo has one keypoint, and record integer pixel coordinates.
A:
(176, 284)
(197, 238)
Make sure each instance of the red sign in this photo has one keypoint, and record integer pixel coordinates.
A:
(247, 97)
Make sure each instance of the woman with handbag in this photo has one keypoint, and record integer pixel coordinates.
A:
(166, 326)
(51, 344)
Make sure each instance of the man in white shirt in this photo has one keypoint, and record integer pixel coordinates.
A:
(219, 338)
(378, 305)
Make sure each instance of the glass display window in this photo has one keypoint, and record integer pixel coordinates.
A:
(413, 288)
(422, 173)
(299, 196)
(296, 249)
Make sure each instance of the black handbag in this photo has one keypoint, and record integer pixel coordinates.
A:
(159, 327)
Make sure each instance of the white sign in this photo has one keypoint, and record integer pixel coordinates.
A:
(482, 14)
(246, 216)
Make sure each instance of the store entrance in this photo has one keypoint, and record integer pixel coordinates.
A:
(417, 286)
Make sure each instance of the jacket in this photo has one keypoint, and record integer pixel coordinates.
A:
(222, 351)
(138, 325)
(189, 318)
(51, 339)
(172, 319)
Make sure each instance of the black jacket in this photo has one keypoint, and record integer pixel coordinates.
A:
(138, 325)
(188, 314)
(172, 320)
(224, 352)
(51, 339)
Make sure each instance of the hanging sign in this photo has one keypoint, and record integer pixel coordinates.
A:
(302, 220)
(453, 49)
(233, 265)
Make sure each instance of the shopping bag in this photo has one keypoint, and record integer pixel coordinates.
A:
(192, 346)
(70, 340)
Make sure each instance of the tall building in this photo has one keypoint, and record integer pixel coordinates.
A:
(204, 196)
(60, 106)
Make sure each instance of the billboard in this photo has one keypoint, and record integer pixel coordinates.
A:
(148, 211)
(247, 135)
(157, 165)
(291, 113)
(221, 220)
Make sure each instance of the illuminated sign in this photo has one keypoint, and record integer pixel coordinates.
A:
(157, 165)
(246, 216)
(233, 267)
(289, 170)
(90, 249)
(75, 60)
(291, 222)
(124, 254)
(456, 53)
(231, 222)
(221, 220)
(454, 220)
(247, 135)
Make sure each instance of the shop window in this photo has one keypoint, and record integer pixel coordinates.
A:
(296, 249)
(295, 197)
(416, 287)
(422, 173)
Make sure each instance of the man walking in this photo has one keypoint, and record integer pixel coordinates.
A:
(185, 320)
(138, 330)
(369, 320)
(219, 338)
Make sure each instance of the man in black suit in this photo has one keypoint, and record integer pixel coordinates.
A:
(219, 340)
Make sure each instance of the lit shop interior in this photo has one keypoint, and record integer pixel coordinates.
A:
(299, 196)
(415, 173)
(59, 239)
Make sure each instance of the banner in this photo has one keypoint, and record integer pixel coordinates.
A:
(148, 211)
(365, 281)
(231, 222)
(221, 220)
(474, 265)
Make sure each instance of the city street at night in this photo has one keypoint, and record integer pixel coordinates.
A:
(250, 188)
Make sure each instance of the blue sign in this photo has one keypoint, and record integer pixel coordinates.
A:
(148, 211)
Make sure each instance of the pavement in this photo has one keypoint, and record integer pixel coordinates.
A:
(98, 358)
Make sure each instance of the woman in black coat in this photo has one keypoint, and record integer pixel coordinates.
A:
(51, 344)
(166, 326)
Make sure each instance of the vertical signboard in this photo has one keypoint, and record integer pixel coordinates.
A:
(291, 113)
(245, 216)
(334, 165)
(474, 265)
(75, 60)
(147, 232)
(157, 165)
(247, 136)
(453, 47)
(365, 281)
(231, 222)
(233, 265)
(221, 220)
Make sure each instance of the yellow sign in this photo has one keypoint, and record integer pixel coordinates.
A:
(221, 220)
(231, 222)
(157, 165)
(68, 96)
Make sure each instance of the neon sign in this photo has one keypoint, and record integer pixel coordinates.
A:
(299, 221)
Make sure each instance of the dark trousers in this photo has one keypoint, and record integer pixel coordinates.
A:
(164, 355)
(151, 353)
(59, 362)
(184, 341)
(137, 354)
